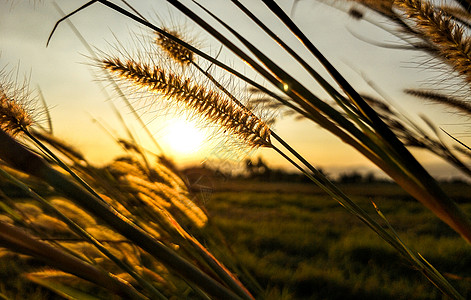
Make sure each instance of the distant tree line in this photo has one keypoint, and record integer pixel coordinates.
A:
(257, 169)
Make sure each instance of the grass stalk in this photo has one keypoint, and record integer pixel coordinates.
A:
(416, 181)
(19, 241)
(81, 232)
(64, 166)
(110, 79)
(313, 113)
(392, 238)
(170, 87)
(22, 159)
(362, 127)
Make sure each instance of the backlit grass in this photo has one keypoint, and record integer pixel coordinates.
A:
(305, 246)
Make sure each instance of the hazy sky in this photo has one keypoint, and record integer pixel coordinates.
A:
(73, 88)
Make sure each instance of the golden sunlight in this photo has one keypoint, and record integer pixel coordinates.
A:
(183, 137)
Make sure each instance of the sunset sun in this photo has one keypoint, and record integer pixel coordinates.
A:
(183, 137)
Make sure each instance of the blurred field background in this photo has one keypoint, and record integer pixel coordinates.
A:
(304, 245)
(282, 237)
(298, 243)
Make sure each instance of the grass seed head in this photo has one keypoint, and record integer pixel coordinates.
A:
(73, 212)
(212, 106)
(16, 103)
(173, 49)
(14, 116)
(447, 36)
(455, 103)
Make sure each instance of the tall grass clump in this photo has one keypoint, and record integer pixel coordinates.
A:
(234, 117)
(140, 238)
(352, 119)
(124, 228)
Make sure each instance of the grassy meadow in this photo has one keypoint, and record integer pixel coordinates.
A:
(136, 228)
(296, 243)
(285, 241)
(300, 244)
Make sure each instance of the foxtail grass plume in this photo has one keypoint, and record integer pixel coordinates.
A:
(446, 100)
(211, 105)
(73, 212)
(158, 196)
(439, 28)
(173, 49)
(14, 117)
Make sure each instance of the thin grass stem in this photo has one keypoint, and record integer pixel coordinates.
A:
(393, 239)
(22, 159)
(110, 79)
(20, 241)
(83, 233)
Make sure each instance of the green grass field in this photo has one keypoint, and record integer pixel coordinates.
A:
(303, 245)
(298, 243)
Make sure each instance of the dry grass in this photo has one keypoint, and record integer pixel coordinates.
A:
(14, 115)
(174, 50)
(150, 217)
(439, 28)
(213, 106)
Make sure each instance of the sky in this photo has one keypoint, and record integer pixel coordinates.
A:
(77, 94)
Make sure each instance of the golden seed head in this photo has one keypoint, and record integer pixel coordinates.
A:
(451, 102)
(173, 49)
(211, 105)
(14, 117)
(448, 37)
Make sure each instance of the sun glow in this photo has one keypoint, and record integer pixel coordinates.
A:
(183, 137)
